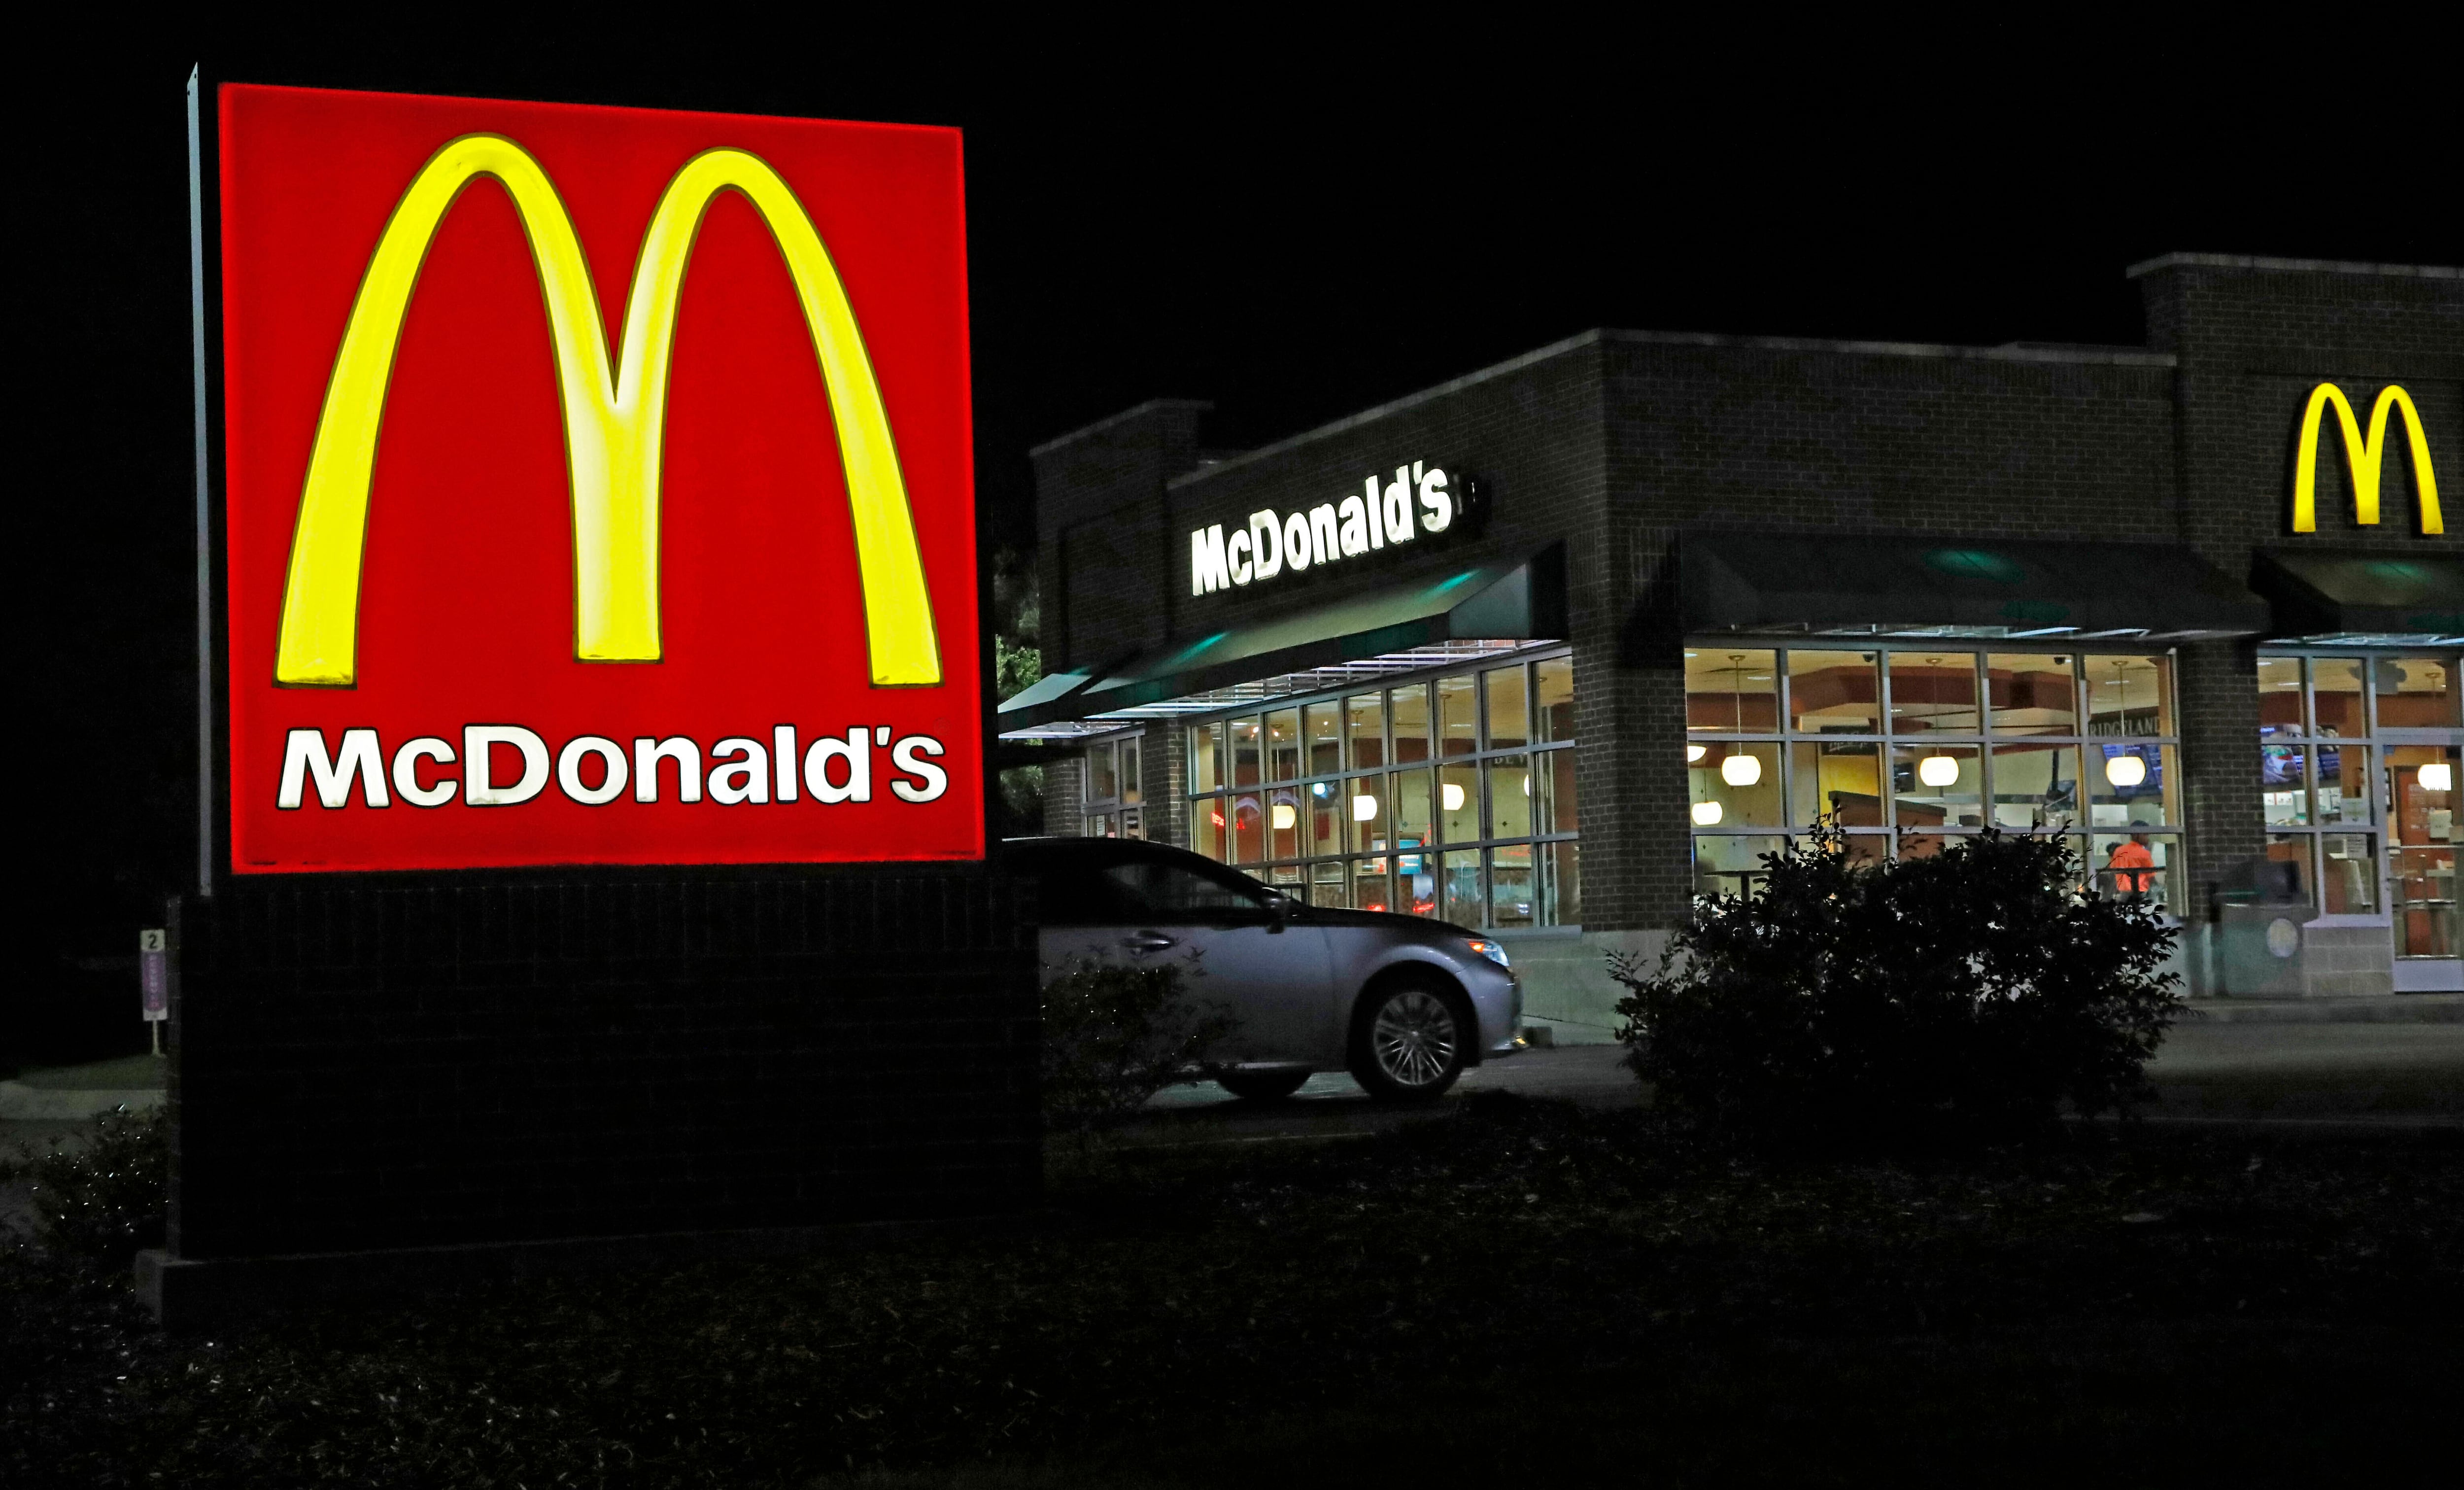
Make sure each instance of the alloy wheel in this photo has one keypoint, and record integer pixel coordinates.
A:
(1413, 1039)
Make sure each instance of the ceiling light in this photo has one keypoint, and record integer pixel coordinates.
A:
(2436, 776)
(2125, 770)
(1707, 813)
(1741, 770)
(1452, 795)
(1938, 770)
(1285, 817)
(1364, 808)
(1695, 752)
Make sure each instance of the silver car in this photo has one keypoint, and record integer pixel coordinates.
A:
(1402, 1003)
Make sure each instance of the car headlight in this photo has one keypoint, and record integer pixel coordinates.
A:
(1493, 951)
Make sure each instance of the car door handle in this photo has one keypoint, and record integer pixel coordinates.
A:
(1149, 942)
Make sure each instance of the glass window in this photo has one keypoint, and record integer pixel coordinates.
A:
(1206, 826)
(2336, 698)
(1283, 744)
(2279, 697)
(2130, 784)
(2285, 785)
(1248, 827)
(1328, 806)
(1459, 804)
(1731, 865)
(1364, 727)
(1370, 890)
(1833, 692)
(1457, 717)
(1246, 762)
(1842, 778)
(2128, 695)
(2422, 782)
(2031, 694)
(1407, 712)
(2343, 790)
(1513, 895)
(2035, 787)
(1322, 724)
(1561, 892)
(1736, 785)
(1173, 891)
(2417, 693)
(1553, 698)
(1206, 758)
(1329, 885)
(2348, 874)
(1509, 797)
(1557, 775)
(1731, 692)
(1462, 898)
(1103, 773)
(2136, 866)
(1369, 818)
(1408, 804)
(1509, 719)
(1283, 823)
(1415, 883)
(1937, 787)
(1933, 693)
(2290, 852)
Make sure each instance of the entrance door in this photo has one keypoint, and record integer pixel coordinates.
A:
(2422, 802)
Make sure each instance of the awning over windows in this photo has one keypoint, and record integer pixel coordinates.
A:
(2363, 599)
(1829, 584)
(1470, 610)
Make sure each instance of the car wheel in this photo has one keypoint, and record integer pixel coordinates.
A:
(1262, 1086)
(1409, 1042)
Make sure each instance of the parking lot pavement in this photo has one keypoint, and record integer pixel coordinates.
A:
(2408, 1074)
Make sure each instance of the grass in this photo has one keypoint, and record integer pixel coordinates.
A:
(1528, 1291)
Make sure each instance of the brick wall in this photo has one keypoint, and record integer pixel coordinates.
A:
(366, 1063)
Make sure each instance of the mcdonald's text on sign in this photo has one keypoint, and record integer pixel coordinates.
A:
(598, 487)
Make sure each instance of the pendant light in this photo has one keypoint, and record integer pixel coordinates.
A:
(1741, 770)
(1936, 769)
(1707, 815)
(2125, 770)
(2436, 776)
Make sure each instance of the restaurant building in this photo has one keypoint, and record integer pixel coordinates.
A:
(1563, 644)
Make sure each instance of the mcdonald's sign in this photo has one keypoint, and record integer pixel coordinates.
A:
(596, 486)
(2365, 456)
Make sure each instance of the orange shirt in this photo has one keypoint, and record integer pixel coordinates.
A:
(2131, 856)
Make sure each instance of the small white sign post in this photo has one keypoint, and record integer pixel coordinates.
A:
(154, 980)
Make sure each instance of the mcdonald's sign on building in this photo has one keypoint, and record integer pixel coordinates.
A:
(597, 487)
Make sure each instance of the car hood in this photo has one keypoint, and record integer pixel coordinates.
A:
(1417, 928)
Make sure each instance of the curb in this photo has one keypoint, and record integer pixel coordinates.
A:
(19, 1102)
(2393, 1009)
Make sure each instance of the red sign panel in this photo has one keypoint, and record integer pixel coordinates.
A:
(598, 487)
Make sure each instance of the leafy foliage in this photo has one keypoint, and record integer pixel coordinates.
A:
(101, 1191)
(1966, 995)
(1116, 1035)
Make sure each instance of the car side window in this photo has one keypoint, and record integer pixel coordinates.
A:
(1077, 894)
(1172, 892)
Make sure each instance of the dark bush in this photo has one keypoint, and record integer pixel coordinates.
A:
(101, 1191)
(1966, 995)
(1114, 1035)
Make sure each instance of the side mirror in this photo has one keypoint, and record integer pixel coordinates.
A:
(1280, 910)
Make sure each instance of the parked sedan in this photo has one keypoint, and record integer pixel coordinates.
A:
(1403, 1003)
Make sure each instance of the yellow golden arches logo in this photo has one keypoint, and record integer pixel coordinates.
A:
(2364, 457)
(614, 418)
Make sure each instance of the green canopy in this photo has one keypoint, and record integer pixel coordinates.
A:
(2324, 595)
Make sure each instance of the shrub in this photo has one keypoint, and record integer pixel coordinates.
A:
(1114, 1035)
(101, 1193)
(1965, 996)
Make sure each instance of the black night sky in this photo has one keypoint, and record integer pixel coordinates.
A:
(1290, 229)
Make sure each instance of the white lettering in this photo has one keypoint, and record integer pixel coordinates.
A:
(1207, 574)
(932, 780)
(1376, 529)
(1355, 526)
(478, 781)
(783, 753)
(1437, 508)
(648, 753)
(303, 754)
(857, 750)
(744, 780)
(1236, 556)
(1296, 541)
(1397, 506)
(1323, 543)
(405, 773)
(1265, 545)
(612, 770)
